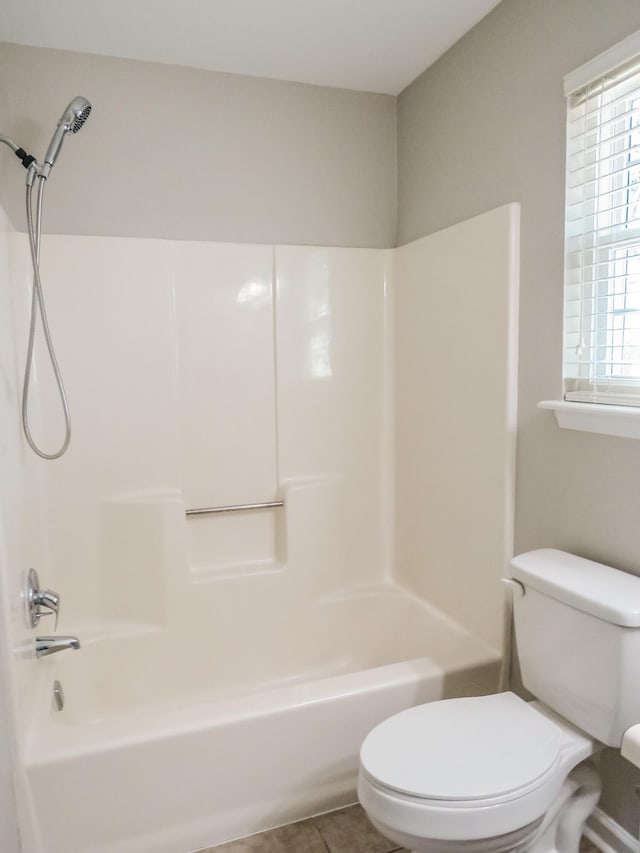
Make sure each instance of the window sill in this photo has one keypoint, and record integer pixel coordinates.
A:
(621, 421)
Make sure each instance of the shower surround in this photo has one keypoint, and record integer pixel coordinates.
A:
(232, 663)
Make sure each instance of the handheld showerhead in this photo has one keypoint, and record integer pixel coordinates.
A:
(71, 121)
(76, 113)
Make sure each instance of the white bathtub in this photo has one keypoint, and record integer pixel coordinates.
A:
(158, 752)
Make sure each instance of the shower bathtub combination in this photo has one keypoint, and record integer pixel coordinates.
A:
(231, 663)
(154, 762)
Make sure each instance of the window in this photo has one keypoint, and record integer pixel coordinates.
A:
(602, 237)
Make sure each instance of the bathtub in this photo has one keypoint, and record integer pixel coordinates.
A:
(161, 751)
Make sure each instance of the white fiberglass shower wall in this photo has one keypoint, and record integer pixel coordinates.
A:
(175, 402)
(219, 647)
(12, 552)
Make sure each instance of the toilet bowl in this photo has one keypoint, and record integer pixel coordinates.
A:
(490, 773)
(496, 773)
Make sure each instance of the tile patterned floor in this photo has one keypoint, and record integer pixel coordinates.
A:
(344, 831)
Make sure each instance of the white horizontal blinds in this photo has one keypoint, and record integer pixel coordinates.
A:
(602, 240)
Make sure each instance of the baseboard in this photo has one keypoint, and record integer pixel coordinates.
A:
(609, 836)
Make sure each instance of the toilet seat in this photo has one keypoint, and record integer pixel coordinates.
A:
(462, 749)
(466, 768)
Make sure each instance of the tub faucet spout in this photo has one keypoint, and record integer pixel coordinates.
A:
(51, 645)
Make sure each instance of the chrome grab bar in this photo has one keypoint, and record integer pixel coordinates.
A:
(209, 510)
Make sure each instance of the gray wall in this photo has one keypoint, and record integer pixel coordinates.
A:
(188, 154)
(485, 126)
(6, 157)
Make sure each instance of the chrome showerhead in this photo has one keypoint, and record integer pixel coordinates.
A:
(76, 113)
(71, 121)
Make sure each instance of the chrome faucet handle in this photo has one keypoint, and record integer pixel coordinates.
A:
(51, 600)
(36, 599)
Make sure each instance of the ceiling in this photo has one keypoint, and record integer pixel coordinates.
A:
(369, 45)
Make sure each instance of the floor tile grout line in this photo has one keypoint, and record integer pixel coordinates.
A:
(322, 838)
(354, 807)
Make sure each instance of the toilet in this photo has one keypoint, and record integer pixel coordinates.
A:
(499, 774)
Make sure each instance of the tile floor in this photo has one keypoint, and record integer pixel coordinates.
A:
(344, 831)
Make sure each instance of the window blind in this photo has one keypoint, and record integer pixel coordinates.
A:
(602, 240)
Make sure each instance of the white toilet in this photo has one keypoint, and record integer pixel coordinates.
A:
(496, 773)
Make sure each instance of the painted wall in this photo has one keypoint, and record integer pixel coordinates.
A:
(484, 126)
(196, 155)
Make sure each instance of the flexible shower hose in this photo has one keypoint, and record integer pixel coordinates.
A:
(37, 303)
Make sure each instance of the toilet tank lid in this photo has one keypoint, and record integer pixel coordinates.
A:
(602, 591)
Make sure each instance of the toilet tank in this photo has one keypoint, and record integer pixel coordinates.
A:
(578, 640)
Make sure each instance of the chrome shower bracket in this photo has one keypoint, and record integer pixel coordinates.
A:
(36, 598)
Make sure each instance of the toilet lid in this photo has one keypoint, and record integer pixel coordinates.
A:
(462, 749)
